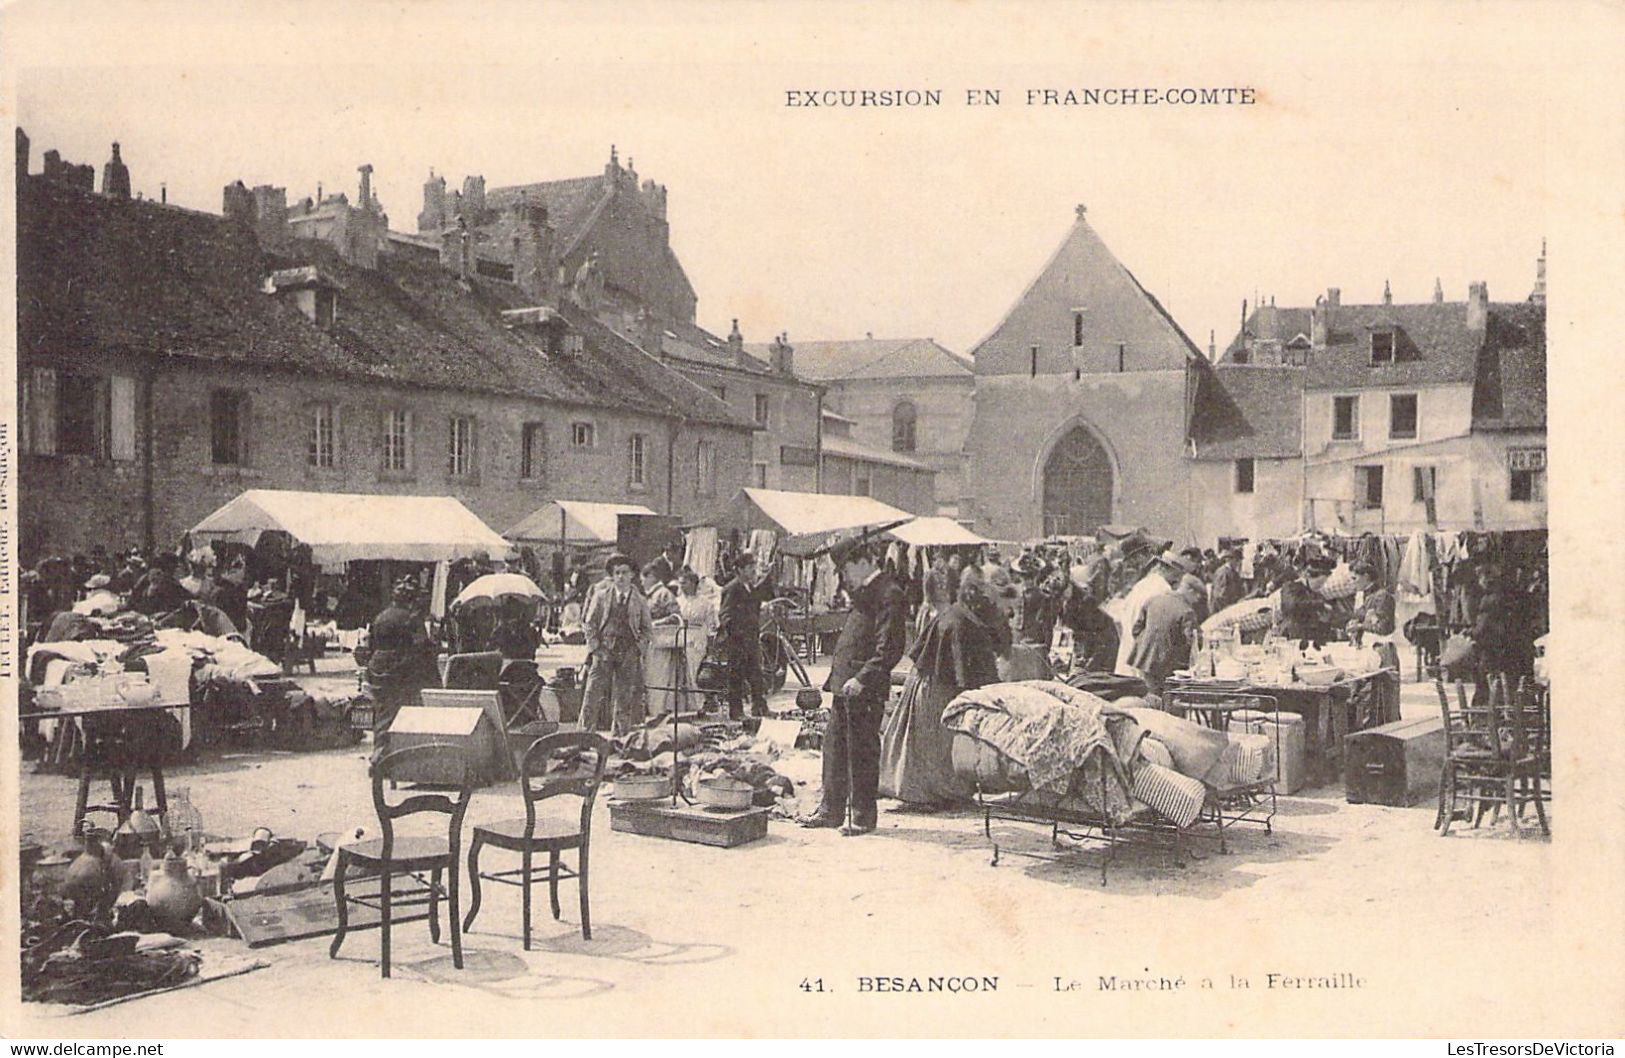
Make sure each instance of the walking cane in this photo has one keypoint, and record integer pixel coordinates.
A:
(850, 829)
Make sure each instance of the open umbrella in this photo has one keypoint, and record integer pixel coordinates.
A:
(494, 587)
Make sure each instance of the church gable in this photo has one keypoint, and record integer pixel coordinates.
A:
(1085, 313)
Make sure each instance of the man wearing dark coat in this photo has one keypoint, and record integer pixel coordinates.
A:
(1227, 586)
(739, 633)
(870, 646)
(402, 661)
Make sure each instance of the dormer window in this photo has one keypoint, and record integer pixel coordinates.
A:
(1382, 347)
(308, 290)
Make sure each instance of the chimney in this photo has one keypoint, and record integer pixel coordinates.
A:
(115, 177)
(533, 264)
(1438, 291)
(612, 168)
(736, 341)
(456, 248)
(237, 203)
(1212, 346)
(1387, 293)
(367, 201)
(650, 332)
(270, 214)
(473, 197)
(782, 355)
(1538, 295)
(433, 217)
(1478, 306)
(22, 154)
(163, 192)
(1317, 325)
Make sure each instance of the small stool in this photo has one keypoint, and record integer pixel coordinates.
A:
(122, 780)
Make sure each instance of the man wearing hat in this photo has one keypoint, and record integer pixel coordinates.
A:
(617, 626)
(870, 646)
(1159, 578)
(1165, 631)
(402, 661)
(1094, 633)
(1037, 604)
(1303, 609)
(160, 591)
(739, 634)
(1227, 587)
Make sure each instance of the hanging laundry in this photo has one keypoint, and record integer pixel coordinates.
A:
(1415, 569)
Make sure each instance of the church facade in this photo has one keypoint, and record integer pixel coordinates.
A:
(1096, 373)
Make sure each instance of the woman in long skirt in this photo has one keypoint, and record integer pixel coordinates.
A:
(955, 653)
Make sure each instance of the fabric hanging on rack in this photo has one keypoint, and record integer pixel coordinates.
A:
(437, 594)
(825, 582)
(700, 554)
(1415, 570)
(1249, 554)
(894, 556)
(761, 545)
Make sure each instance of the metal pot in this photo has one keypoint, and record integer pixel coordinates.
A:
(725, 793)
(642, 787)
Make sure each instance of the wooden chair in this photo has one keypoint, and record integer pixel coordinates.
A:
(1488, 762)
(553, 836)
(390, 855)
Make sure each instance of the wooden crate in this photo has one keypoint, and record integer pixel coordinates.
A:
(659, 819)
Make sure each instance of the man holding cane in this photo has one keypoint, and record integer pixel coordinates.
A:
(870, 646)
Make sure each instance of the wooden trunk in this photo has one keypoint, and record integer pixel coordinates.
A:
(1395, 764)
(658, 819)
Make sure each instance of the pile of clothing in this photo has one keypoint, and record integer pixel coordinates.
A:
(1118, 761)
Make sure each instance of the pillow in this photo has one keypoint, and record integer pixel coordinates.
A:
(1154, 752)
(1193, 747)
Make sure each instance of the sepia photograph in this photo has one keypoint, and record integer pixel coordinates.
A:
(899, 520)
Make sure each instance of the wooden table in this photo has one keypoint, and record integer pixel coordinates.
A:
(1330, 712)
(120, 771)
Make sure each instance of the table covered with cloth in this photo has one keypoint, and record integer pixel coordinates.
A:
(1121, 762)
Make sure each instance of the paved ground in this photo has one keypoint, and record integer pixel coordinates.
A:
(723, 940)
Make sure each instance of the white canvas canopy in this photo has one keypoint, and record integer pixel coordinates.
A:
(802, 517)
(347, 527)
(936, 532)
(573, 522)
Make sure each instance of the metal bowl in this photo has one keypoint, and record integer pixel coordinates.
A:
(724, 793)
(642, 787)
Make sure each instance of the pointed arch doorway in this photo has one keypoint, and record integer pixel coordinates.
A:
(1077, 486)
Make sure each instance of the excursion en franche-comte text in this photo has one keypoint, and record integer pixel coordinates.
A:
(925, 98)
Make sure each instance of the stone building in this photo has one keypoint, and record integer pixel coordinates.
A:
(1428, 415)
(1080, 396)
(606, 239)
(907, 396)
(169, 359)
(851, 467)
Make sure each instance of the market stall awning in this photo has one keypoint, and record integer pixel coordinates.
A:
(346, 527)
(573, 521)
(936, 532)
(801, 518)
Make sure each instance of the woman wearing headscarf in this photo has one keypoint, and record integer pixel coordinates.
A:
(955, 653)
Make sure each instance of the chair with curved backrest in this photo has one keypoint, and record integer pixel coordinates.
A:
(553, 766)
(386, 856)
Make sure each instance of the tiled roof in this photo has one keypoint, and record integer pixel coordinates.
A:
(1245, 411)
(686, 341)
(828, 361)
(1506, 364)
(1511, 390)
(147, 279)
(572, 206)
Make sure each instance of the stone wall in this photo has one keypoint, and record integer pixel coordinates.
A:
(69, 503)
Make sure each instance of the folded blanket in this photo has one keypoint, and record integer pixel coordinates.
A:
(1048, 735)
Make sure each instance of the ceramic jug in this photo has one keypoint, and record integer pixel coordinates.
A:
(138, 832)
(90, 881)
(172, 894)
